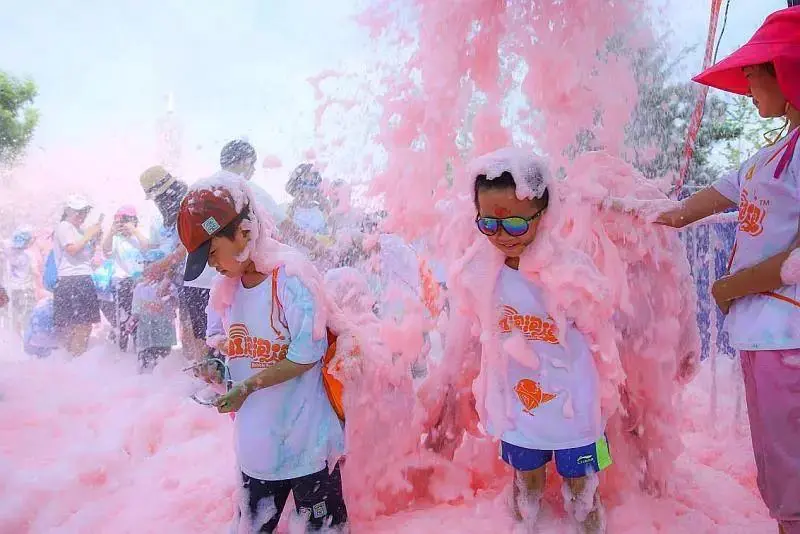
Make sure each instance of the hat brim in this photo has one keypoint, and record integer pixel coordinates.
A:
(161, 189)
(727, 75)
(196, 262)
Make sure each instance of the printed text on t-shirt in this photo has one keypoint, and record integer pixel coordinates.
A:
(263, 352)
(532, 327)
(752, 214)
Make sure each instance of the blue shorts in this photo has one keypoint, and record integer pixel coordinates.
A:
(570, 463)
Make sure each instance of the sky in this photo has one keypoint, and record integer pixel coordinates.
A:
(234, 68)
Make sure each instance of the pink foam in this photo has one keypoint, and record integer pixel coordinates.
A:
(107, 450)
(271, 161)
(602, 268)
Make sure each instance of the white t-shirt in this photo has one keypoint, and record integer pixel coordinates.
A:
(310, 219)
(68, 265)
(205, 280)
(266, 201)
(164, 239)
(551, 382)
(126, 254)
(769, 219)
(288, 430)
(167, 240)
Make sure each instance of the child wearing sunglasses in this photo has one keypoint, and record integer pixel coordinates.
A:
(538, 389)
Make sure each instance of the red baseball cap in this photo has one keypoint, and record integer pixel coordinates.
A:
(777, 41)
(203, 213)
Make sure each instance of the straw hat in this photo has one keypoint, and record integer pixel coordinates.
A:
(155, 181)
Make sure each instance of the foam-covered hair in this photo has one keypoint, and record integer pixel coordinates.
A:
(267, 253)
(531, 173)
(236, 151)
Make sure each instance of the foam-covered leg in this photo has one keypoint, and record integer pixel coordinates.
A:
(584, 506)
(526, 499)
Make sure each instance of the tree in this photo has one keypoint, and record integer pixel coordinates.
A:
(17, 118)
(658, 130)
(755, 130)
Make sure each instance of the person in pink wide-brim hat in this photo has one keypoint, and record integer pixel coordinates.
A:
(761, 295)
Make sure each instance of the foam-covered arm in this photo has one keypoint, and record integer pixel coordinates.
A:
(304, 351)
(447, 392)
(281, 372)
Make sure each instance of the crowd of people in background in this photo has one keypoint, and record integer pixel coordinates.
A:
(127, 278)
(289, 432)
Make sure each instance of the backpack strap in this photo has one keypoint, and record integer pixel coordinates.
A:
(276, 307)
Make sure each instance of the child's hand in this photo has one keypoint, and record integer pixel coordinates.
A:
(209, 373)
(127, 229)
(221, 344)
(657, 211)
(718, 291)
(232, 400)
(94, 230)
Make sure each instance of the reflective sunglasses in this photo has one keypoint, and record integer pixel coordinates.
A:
(513, 226)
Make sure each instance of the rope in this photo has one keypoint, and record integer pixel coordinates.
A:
(725, 25)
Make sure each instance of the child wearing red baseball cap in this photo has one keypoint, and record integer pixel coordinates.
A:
(760, 296)
(287, 436)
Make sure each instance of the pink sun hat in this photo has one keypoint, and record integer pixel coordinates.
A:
(776, 41)
(125, 211)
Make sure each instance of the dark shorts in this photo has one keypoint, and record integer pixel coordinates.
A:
(570, 463)
(318, 495)
(193, 301)
(75, 302)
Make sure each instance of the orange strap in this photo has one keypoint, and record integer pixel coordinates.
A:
(730, 260)
(333, 387)
(276, 306)
(784, 298)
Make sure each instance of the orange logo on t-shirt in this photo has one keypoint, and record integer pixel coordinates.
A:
(532, 327)
(751, 215)
(531, 395)
(262, 352)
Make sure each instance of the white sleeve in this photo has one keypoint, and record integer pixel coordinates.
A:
(728, 185)
(268, 203)
(298, 309)
(214, 325)
(66, 234)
